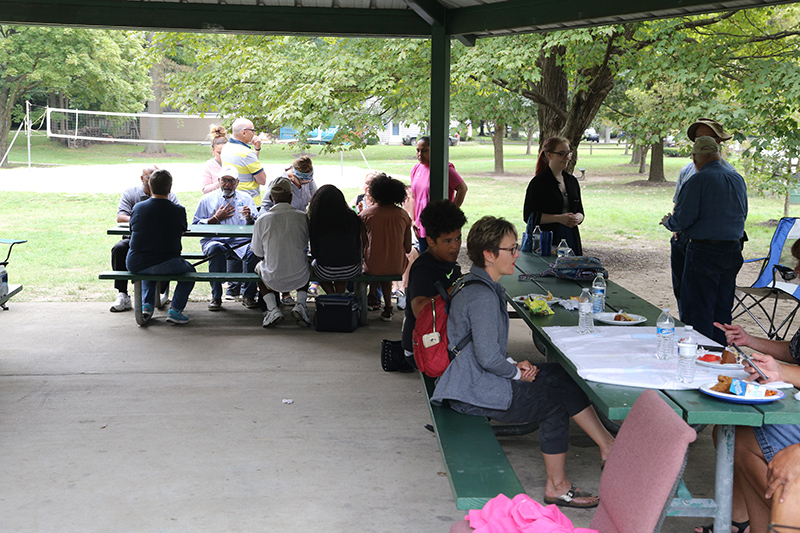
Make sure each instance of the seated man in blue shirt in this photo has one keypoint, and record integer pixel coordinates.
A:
(226, 205)
(710, 213)
(157, 226)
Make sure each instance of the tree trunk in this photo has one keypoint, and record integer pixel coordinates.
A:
(786, 202)
(657, 162)
(553, 88)
(643, 158)
(497, 141)
(531, 131)
(636, 155)
(151, 128)
(5, 121)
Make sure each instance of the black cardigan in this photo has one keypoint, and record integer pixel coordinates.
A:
(544, 196)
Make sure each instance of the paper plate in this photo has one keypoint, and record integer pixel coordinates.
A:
(706, 389)
(608, 318)
(718, 365)
(521, 299)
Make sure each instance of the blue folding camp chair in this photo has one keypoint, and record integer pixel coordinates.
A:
(776, 282)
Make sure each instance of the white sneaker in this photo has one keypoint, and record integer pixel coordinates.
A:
(272, 317)
(122, 303)
(300, 313)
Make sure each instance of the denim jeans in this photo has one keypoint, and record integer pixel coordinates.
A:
(708, 285)
(218, 263)
(176, 265)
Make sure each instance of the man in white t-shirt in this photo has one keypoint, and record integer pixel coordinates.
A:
(280, 238)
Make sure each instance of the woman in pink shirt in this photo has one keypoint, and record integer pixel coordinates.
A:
(421, 187)
(213, 167)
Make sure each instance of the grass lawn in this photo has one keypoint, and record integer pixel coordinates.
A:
(67, 244)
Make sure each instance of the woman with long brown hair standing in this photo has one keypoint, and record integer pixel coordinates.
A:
(553, 197)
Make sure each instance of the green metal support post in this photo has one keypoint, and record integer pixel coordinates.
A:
(440, 111)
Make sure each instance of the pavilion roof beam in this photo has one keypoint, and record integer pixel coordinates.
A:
(193, 17)
(514, 16)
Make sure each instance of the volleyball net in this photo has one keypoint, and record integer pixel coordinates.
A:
(83, 128)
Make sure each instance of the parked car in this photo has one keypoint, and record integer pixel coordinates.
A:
(411, 140)
(591, 135)
(315, 136)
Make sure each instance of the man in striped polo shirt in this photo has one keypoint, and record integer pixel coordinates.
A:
(239, 153)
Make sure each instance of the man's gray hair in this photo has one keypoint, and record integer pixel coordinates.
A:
(239, 124)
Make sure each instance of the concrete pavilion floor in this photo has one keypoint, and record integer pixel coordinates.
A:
(106, 426)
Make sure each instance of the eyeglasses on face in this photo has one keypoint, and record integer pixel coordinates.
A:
(563, 154)
(227, 180)
(249, 129)
(514, 249)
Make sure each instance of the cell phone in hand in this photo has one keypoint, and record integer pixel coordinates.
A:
(750, 361)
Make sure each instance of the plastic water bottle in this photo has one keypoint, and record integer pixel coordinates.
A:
(665, 329)
(536, 235)
(687, 354)
(240, 208)
(563, 248)
(599, 293)
(585, 319)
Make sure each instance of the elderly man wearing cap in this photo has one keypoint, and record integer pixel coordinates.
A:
(237, 152)
(280, 237)
(701, 127)
(710, 214)
(119, 252)
(227, 205)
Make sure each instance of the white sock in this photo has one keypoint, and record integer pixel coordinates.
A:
(302, 296)
(271, 301)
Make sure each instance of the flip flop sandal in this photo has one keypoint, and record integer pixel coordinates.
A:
(568, 499)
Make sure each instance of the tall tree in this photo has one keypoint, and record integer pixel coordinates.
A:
(92, 69)
(356, 84)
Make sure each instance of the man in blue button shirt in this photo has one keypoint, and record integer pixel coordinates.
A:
(710, 212)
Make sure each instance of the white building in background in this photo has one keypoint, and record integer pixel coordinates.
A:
(393, 132)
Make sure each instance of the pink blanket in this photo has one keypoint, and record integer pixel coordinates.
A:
(520, 515)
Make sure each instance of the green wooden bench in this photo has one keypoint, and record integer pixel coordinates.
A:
(475, 464)
(361, 284)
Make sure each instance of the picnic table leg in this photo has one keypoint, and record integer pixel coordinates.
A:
(137, 303)
(361, 294)
(723, 484)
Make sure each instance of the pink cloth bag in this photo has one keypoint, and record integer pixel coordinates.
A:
(520, 515)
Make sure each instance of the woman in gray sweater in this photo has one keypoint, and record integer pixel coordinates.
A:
(484, 381)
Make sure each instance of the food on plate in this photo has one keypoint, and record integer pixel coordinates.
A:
(710, 358)
(748, 389)
(623, 317)
(538, 306)
(728, 357)
(723, 384)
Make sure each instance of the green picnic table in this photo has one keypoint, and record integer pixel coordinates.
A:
(361, 282)
(614, 401)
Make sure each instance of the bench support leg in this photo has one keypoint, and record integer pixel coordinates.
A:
(137, 303)
(361, 295)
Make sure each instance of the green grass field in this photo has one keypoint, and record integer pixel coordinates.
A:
(67, 244)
